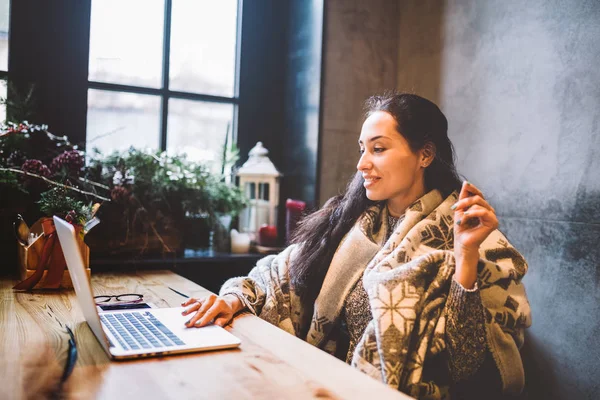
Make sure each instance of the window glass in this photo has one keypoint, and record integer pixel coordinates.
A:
(203, 46)
(2, 96)
(126, 42)
(198, 129)
(4, 24)
(117, 121)
(126, 47)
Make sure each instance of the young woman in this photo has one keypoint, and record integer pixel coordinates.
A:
(405, 276)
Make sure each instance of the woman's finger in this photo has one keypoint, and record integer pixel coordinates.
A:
(464, 192)
(211, 314)
(476, 214)
(468, 190)
(474, 190)
(466, 203)
(193, 308)
(205, 306)
(190, 301)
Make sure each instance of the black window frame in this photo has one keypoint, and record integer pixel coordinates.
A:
(166, 94)
(278, 56)
(4, 75)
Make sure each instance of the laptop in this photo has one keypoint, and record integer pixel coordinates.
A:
(136, 333)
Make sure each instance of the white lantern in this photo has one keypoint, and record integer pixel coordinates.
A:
(259, 180)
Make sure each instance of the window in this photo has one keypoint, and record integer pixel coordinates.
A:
(163, 75)
(4, 25)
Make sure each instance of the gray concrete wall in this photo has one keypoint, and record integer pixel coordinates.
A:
(520, 84)
(359, 59)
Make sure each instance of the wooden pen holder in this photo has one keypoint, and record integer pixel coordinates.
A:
(31, 256)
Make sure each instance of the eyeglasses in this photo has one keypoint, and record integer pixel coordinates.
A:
(125, 298)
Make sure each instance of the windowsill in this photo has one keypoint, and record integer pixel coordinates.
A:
(156, 262)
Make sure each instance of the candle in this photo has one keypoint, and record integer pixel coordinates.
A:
(240, 242)
(267, 235)
(294, 209)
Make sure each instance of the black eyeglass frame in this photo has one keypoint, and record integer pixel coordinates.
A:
(107, 297)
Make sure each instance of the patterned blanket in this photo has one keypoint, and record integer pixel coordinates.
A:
(407, 280)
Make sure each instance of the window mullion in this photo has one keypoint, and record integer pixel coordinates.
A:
(165, 75)
(236, 87)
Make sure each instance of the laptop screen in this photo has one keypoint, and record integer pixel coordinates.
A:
(79, 277)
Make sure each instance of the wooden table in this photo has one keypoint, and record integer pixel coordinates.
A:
(270, 364)
(209, 270)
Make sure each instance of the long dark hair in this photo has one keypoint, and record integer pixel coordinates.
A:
(420, 122)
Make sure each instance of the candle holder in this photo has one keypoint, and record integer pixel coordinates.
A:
(259, 180)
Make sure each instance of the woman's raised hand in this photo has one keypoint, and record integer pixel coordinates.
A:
(219, 309)
(474, 218)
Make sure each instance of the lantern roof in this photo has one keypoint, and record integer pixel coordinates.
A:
(258, 163)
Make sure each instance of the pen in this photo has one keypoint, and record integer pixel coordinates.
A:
(179, 293)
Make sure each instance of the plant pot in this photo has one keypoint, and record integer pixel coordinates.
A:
(196, 232)
(125, 232)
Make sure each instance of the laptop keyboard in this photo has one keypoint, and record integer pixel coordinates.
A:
(138, 330)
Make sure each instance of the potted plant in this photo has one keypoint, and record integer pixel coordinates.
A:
(160, 203)
(227, 201)
(150, 192)
(41, 175)
(152, 203)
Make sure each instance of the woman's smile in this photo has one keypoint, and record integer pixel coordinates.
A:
(370, 181)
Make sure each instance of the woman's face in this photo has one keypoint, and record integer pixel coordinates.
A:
(391, 170)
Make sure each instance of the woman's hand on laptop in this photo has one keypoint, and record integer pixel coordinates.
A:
(219, 309)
